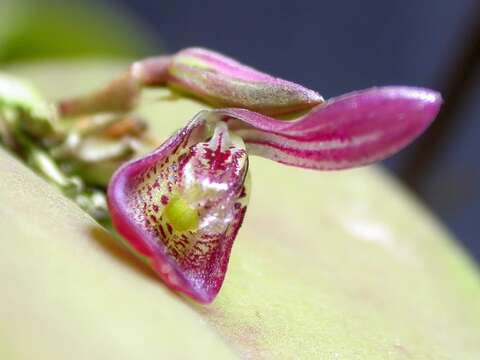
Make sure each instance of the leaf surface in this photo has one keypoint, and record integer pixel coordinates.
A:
(342, 265)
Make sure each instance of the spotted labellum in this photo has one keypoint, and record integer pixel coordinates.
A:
(182, 205)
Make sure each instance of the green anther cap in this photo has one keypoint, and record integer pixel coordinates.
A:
(181, 215)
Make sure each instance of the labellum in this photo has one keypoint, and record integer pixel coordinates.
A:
(182, 206)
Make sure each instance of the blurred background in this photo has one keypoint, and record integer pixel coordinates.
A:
(330, 46)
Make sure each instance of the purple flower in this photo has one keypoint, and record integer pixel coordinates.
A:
(182, 205)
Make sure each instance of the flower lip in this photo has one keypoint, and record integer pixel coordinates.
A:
(190, 255)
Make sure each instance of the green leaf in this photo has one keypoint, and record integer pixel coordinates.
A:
(338, 265)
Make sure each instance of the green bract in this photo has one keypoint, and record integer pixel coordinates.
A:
(19, 96)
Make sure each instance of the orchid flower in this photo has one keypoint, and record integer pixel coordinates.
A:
(182, 205)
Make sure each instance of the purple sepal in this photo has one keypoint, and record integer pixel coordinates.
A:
(352, 130)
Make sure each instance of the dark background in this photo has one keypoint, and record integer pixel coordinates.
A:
(330, 46)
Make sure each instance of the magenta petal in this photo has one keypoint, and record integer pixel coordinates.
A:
(223, 81)
(209, 178)
(352, 130)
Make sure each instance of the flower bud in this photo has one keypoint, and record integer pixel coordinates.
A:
(225, 82)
